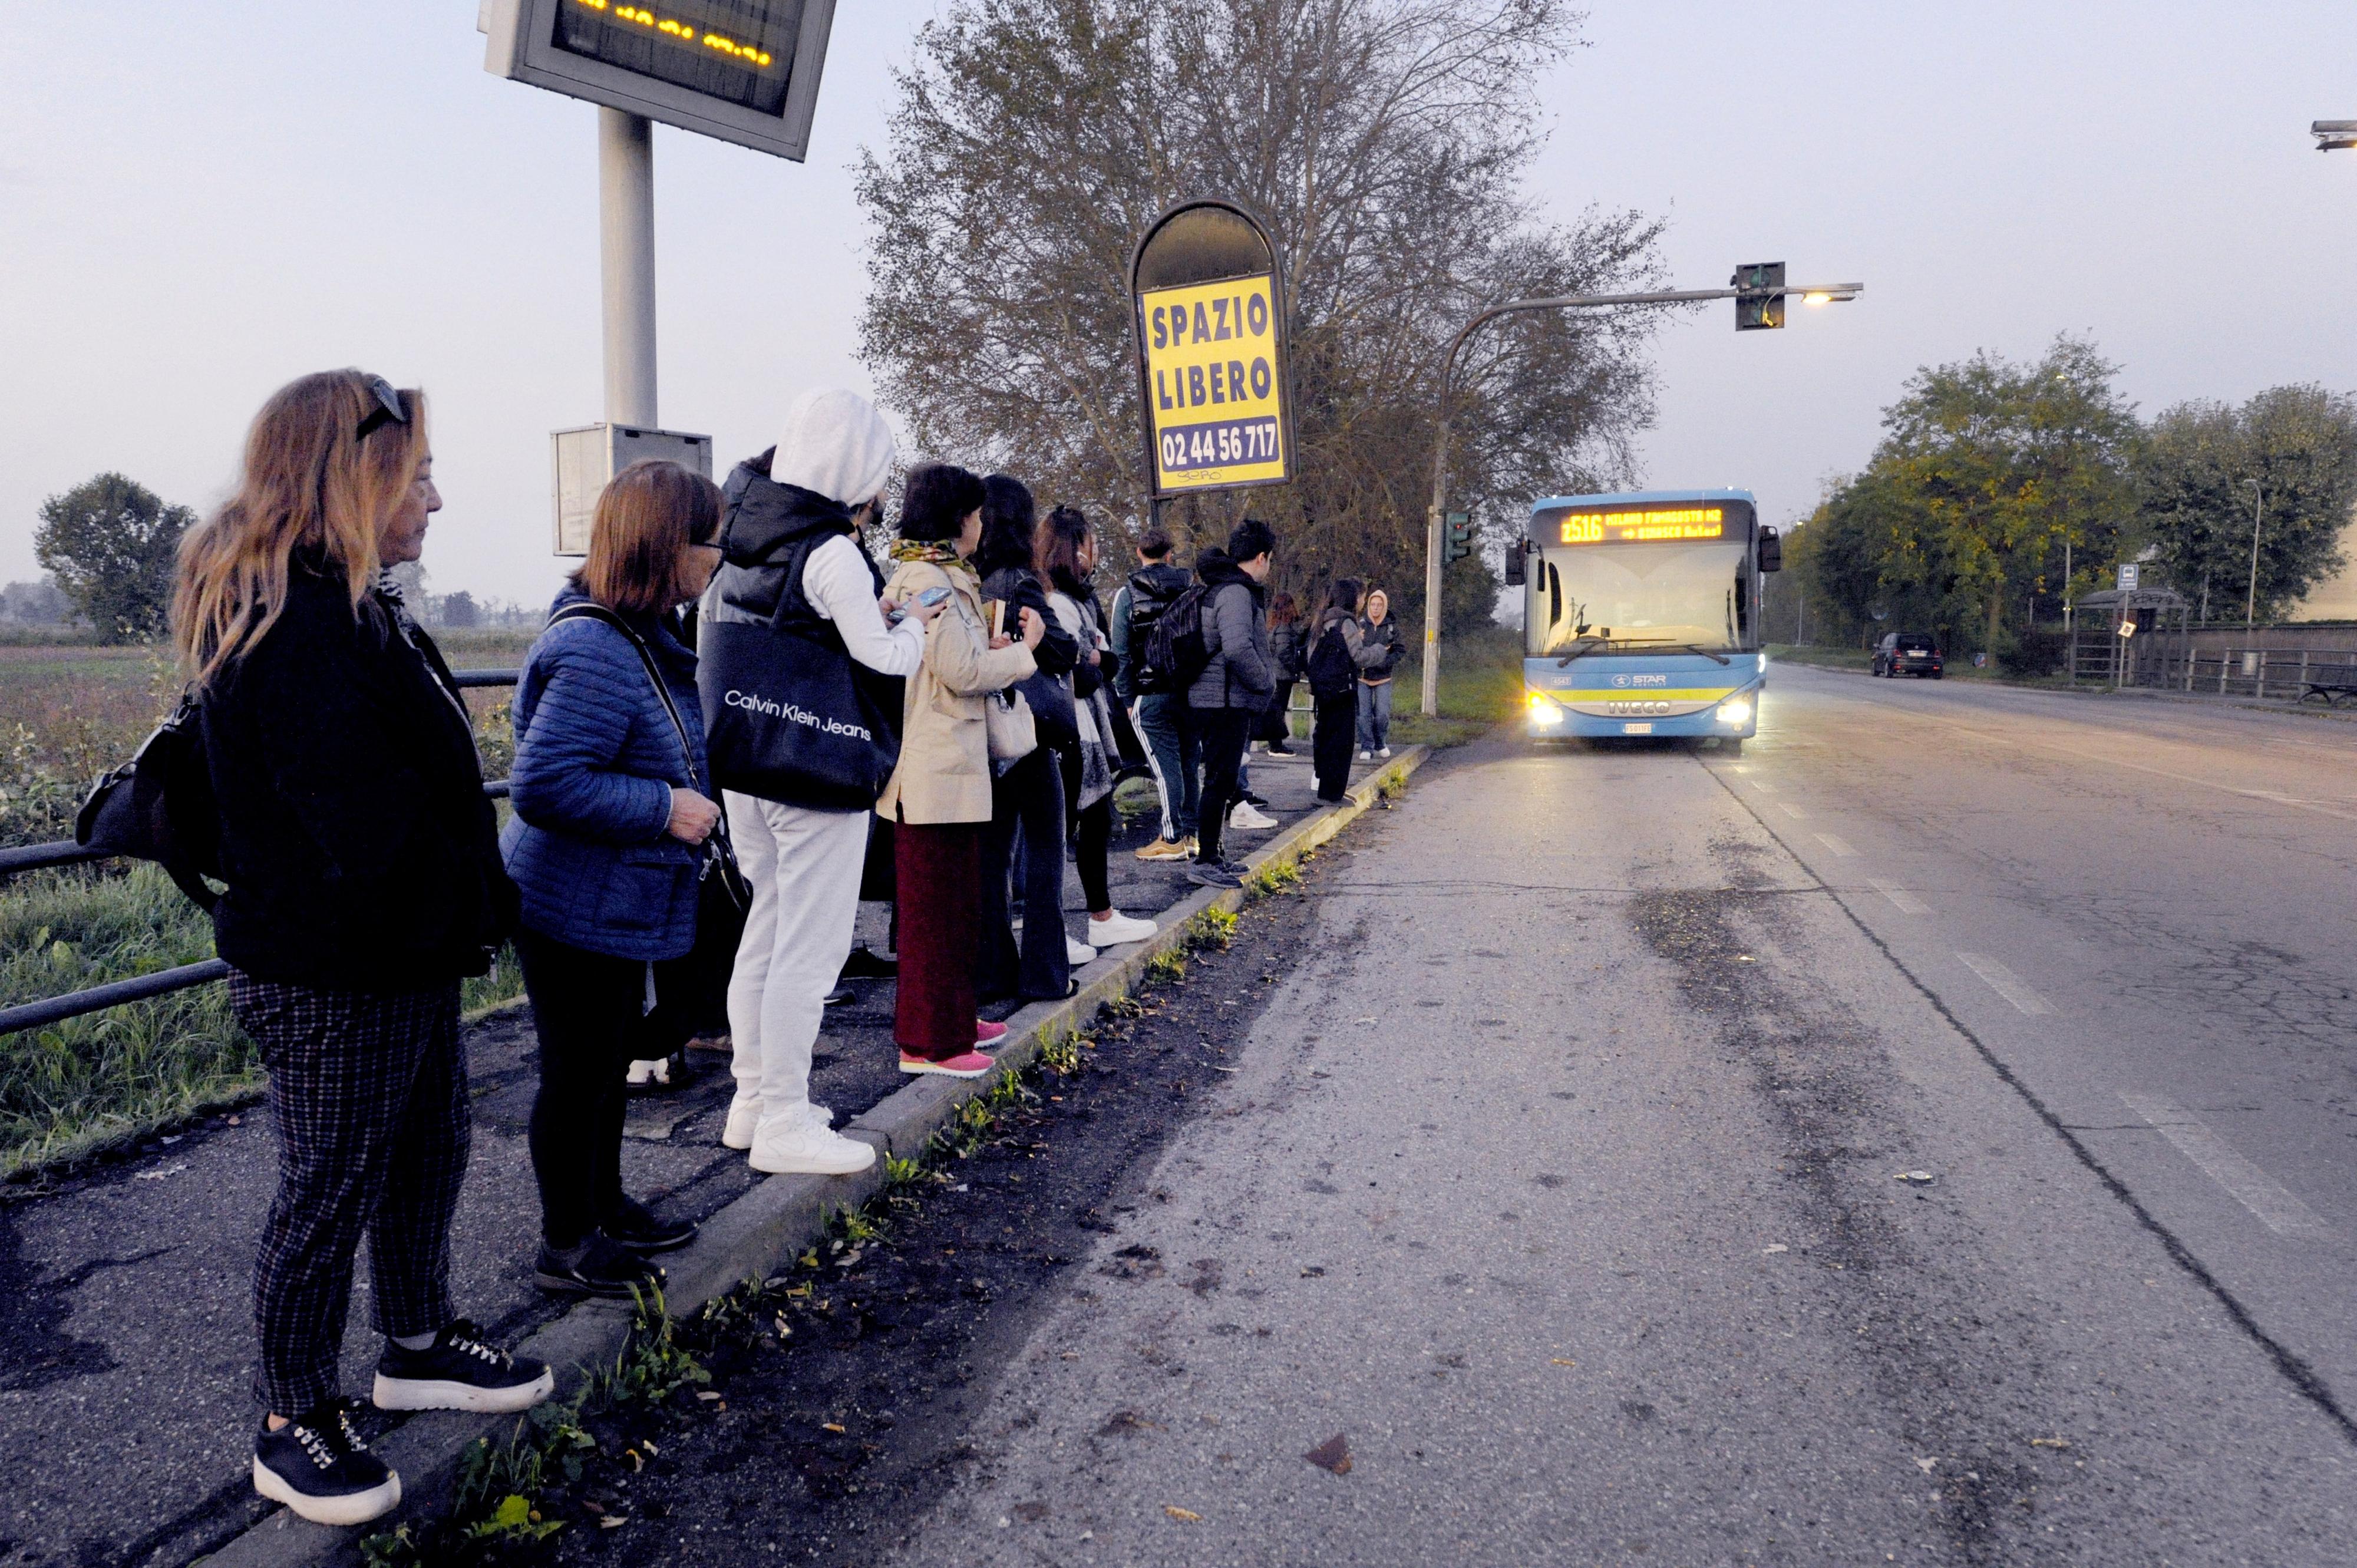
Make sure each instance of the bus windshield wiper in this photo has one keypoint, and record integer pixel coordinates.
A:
(1698, 647)
(1633, 645)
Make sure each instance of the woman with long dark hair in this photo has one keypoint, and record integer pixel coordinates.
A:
(1027, 795)
(1066, 554)
(365, 883)
(1286, 631)
(938, 797)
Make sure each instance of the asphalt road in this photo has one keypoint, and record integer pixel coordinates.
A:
(1558, 1180)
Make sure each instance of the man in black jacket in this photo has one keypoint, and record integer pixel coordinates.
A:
(1159, 711)
(1236, 685)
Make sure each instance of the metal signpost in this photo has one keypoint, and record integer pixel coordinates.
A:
(741, 71)
(1207, 288)
(1758, 289)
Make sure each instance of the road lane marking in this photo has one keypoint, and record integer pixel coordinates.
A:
(1793, 811)
(2251, 1188)
(1837, 845)
(1908, 903)
(1762, 786)
(2007, 983)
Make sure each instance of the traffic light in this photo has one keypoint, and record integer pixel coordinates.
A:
(1457, 536)
(1762, 303)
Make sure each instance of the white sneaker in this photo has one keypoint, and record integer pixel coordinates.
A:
(811, 1149)
(645, 1073)
(1078, 953)
(1382, 751)
(1248, 816)
(1366, 757)
(744, 1120)
(1117, 927)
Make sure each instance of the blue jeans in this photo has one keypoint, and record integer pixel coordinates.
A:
(1375, 716)
(1174, 750)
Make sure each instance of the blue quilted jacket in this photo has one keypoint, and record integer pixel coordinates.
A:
(596, 760)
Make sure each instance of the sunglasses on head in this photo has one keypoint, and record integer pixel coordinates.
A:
(388, 409)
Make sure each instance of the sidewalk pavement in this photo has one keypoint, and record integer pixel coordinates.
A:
(125, 1328)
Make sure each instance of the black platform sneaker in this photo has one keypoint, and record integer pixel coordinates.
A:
(460, 1371)
(638, 1228)
(594, 1266)
(319, 1467)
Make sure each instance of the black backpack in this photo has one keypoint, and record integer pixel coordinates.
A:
(1176, 654)
(1331, 671)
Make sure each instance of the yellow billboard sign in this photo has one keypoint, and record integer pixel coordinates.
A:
(1214, 384)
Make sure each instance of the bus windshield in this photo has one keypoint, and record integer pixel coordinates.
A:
(1636, 595)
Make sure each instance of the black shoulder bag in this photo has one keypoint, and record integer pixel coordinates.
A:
(159, 806)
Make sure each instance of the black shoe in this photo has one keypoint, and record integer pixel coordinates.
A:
(319, 1467)
(594, 1267)
(865, 964)
(1279, 748)
(635, 1227)
(1212, 874)
(1257, 803)
(460, 1371)
(839, 995)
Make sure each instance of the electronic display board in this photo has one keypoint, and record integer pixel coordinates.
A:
(1644, 525)
(741, 71)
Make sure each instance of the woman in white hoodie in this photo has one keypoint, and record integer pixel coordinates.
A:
(790, 548)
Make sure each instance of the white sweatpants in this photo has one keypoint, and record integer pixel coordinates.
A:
(804, 868)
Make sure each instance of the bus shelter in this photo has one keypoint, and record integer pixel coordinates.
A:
(2132, 637)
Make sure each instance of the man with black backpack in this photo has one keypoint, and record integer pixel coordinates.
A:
(1215, 636)
(1158, 704)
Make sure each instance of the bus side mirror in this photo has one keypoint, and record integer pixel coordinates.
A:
(1515, 562)
(1772, 551)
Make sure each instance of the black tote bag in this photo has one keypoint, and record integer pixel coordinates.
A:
(788, 716)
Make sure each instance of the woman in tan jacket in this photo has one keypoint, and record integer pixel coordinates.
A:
(938, 796)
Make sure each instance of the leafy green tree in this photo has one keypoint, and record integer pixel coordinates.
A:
(1986, 469)
(459, 610)
(1384, 142)
(2286, 460)
(111, 543)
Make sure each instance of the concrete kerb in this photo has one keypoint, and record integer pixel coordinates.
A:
(750, 1237)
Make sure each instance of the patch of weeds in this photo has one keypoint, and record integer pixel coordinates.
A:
(1062, 1054)
(1392, 785)
(1168, 967)
(1123, 1006)
(1277, 876)
(1214, 929)
(899, 1173)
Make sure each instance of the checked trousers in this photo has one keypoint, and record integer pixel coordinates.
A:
(368, 1095)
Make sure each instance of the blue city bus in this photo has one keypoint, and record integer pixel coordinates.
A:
(1641, 615)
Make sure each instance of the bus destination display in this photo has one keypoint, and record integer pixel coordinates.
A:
(739, 51)
(1644, 527)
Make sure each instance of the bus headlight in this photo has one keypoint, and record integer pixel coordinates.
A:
(1543, 709)
(1735, 712)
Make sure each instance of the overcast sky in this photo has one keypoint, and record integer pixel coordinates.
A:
(198, 202)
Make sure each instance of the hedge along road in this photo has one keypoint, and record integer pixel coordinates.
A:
(1558, 1192)
(125, 1330)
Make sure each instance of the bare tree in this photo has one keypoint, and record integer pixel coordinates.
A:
(1385, 142)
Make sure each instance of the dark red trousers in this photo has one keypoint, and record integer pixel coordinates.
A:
(939, 868)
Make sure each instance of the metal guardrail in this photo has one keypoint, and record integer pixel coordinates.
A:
(163, 982)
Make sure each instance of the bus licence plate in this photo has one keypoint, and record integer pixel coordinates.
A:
(1636, 729)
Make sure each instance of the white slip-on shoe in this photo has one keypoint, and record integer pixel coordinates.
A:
(808, 1149)
(1117, 929)
(1077, 953)
(655, 1073)
(1250, 817)
(744, 1120)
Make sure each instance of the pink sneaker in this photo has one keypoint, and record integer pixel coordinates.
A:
(986, 1033)
(974, 1063)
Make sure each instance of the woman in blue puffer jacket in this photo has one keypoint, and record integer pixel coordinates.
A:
(606, 845)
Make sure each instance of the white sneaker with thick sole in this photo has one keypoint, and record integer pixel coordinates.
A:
(744, 1120)
(812, 1150)
(1117, 929)
(1382, 751)
(1250, 817)
(1077, 953)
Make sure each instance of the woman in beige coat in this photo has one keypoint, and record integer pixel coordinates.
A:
(938, 797)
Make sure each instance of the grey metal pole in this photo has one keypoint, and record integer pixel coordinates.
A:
(626, 252)
(2258, 510)
(1431, 708)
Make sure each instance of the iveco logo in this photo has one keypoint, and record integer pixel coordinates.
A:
(1636, 707)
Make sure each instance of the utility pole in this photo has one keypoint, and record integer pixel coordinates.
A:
(1812, 293)
(625, 254)
(2258, 510)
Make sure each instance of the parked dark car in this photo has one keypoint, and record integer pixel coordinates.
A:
(1908, 653)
